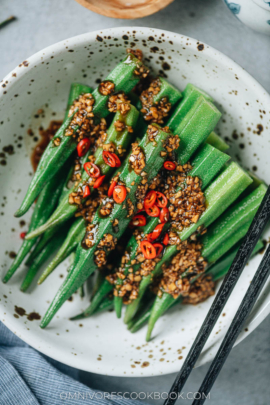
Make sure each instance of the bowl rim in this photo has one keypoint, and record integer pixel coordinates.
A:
(59, 48)
(144, 10)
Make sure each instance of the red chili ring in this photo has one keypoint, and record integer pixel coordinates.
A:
(138, 220)
(164, 215)
(168, 165)
(99, 181)
(166, 239)
(161, 200)
(109, 158)
(158, 247)
(117, 160)
(83, 146)
(156, 233)
(22, 235)
(91, 169)
(153, 211)
(119, 194)
(150, 199)
(111, 188)
(148, 250)
(86, 192)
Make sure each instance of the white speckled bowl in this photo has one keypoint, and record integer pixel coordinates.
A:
(102, 344)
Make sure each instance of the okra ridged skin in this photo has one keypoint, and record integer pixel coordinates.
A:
(218, 196)
(124, 78)
(232, 225)
(203, 116)
(220, 244)
(44, 206)
(195, 128)
(84, 260)
(216, 141)
(76, 89)
(41, 258)
(69, 245)
(189, 97)
(206, 164)
(162, 304)
(65, 210)
(171, 93)
(104, 289)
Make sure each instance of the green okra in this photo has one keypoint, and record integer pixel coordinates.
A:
(69, 245)
(219, 196)
(191, 94)
(231, 226)
(195, 128)
(105, 305)
(206, 164)
(168, 91)
(216, 141)
(124, 77)
(65, 210)
(104, 289)
(166, 301)
(85, 258)
(44, 206)
(41, 258)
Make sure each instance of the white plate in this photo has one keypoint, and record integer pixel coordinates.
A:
(103, 345)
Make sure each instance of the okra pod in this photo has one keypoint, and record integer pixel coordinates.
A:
(66, 210)
(44, 206)
(69, 245)
(124, 76)
(191, 94)
(41, 258)
(218, 196)
(166, 301)
(85, 258)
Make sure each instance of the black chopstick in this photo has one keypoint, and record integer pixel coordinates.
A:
(255, 230)
(235, 328)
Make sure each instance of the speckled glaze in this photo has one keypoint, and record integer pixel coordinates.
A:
(254, 13)
(102, 344)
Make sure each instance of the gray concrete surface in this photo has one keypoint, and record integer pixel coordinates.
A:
(245, 377)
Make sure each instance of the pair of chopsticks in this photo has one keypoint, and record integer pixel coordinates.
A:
(256, 228)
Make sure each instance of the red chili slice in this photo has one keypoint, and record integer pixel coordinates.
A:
(158, 247)
(166, 239)
(86, 192)
(138, 220)
(169, 165)
(111, 188)
(99, 181)
(150, 199)
(164, 215)
(83, 146)
(148, 249)
(117, 160)
(22, 235)
(161, 200)
(91, 169)
(156, 233)
(109, 158)
(119, 194)
(153, 211)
